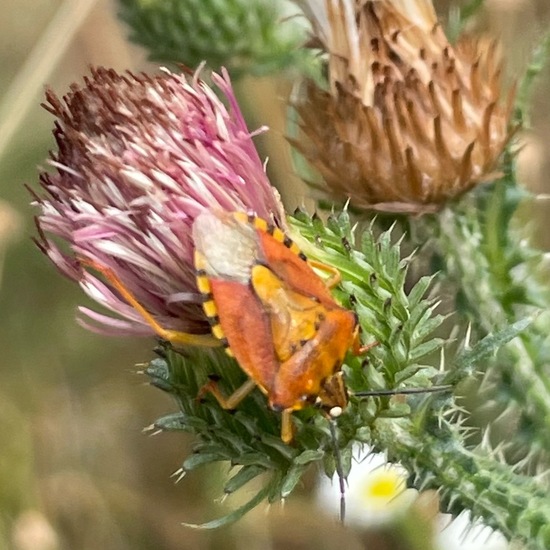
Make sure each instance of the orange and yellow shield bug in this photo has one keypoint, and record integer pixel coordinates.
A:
(270, 309)
(273, 313)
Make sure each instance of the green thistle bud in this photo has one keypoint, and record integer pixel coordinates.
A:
(242, 35)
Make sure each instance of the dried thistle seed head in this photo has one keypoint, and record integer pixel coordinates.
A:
(408, 121)
(139, 157)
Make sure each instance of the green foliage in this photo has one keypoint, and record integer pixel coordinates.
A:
(517, 505)
(373, 280)
(497, 277)
(422, 432)
(242, 35)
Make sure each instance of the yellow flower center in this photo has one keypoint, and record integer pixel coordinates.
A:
(382, 486)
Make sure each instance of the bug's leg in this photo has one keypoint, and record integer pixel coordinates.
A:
(334, 273)
(227, 402)
(175, 337)
(357, 348)
(361, 350)
(287, 427)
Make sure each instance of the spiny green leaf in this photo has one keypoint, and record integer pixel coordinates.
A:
(419, 290)
(254, 459)
(488, 346)
(292, 478)
(235, 515)
(196, 460)
(375, 379)
(171, 422)
(242, 477)
(406, 373)
(396, 410)
(277, 444)
(308, 456)
(426, 325)
(425, 349)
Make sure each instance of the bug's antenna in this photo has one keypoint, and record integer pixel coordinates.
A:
(339, 467)
(403, 391)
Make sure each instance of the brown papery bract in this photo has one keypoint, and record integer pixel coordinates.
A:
(409, 121)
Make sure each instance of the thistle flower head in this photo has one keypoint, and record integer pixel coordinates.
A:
(408, 121)
(138, 158)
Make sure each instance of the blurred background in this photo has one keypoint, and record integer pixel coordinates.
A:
(76, 469)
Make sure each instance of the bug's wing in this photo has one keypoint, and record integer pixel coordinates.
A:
(294, 318)
(294, 271)
(229, 248)
(247, 329)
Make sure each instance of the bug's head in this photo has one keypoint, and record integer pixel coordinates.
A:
(333, 393)
(329, 394)
(281, 403)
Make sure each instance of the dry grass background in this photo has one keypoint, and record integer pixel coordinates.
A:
(76, 472)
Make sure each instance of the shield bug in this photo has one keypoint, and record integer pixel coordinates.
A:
(273, 313)
(270, 309)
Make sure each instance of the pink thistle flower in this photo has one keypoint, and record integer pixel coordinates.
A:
(139, 157)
